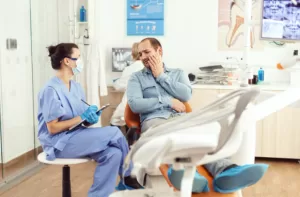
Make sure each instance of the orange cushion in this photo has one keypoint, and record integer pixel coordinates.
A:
(203, 172)
(131, 119)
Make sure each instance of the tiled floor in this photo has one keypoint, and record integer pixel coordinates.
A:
(282, 180)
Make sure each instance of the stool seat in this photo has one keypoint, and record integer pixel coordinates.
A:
(61, 161)
(66, 173)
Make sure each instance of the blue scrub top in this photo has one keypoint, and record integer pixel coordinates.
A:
(55, 101)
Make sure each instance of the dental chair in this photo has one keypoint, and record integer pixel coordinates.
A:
(187, 142)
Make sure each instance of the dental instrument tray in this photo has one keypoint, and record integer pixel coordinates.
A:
(216, 74)
(211, 68)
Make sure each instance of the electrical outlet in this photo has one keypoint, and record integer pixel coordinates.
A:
(237, 59)
(11, 43)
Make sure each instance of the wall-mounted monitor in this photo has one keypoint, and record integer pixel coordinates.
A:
(280, 20)
(121, 57)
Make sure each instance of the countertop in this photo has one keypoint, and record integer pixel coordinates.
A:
(273, 87)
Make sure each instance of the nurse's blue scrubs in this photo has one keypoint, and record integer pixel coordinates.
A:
(106, 145)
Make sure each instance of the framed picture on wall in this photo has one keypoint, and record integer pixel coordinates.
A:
(145, 17)
(121, 57)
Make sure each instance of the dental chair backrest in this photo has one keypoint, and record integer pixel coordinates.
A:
(132, 120)
(197, 138)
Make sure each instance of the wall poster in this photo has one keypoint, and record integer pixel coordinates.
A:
(145, 17)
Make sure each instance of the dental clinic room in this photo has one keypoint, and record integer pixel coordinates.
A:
(141, 98)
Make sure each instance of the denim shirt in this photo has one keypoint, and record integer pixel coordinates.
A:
(152, 97)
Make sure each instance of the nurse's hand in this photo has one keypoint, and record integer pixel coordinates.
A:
(90, 114)
(94, 118)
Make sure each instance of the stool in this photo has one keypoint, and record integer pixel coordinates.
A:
(66, 180)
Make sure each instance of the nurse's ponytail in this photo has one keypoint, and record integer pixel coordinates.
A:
(51, 50)
(59, 52)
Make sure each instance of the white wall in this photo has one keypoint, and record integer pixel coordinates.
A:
(190, 40)
(21, 80)
(16, 79)
(46, 28)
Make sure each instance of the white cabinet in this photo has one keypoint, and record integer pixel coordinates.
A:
(280, 136)
(288, 133)
(259, 137)
(268, 141)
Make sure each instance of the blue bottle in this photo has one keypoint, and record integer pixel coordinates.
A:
(82, 14)
(261, 75)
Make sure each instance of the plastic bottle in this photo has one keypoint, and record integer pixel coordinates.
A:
(82, 14)
(261, 75)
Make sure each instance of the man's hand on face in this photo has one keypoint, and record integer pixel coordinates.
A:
(178, 105)
(156, 65)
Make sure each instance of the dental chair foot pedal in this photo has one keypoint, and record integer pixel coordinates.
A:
(239, 177)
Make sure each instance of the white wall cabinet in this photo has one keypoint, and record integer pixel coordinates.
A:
(281, 134)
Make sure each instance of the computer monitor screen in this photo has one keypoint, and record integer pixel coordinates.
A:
(280, 20)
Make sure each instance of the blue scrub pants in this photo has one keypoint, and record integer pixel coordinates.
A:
(108, 147)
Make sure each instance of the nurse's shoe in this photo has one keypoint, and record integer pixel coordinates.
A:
(200, 184)
(239, 177)
(130, 183)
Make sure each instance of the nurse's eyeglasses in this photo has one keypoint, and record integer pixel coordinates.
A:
(72, 58)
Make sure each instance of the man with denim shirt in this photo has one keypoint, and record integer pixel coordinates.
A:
(157, 99)
(157, 93)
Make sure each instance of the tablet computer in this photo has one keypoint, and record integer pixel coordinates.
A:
(84, 121)
(103, 107)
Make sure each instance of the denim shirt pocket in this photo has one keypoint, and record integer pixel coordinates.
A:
(149, 91)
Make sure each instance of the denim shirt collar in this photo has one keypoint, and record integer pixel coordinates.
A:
(147, 70)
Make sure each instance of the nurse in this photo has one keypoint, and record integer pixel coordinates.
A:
(60, 107)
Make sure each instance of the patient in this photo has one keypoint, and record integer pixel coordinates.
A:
(157, 93)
